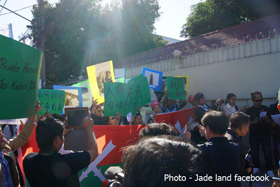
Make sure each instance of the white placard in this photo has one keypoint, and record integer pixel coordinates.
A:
(119, 73)
(276, 118)
(262, 114)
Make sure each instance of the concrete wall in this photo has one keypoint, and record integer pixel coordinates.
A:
(240, 69)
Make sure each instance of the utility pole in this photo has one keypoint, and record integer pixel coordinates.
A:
(42, 46)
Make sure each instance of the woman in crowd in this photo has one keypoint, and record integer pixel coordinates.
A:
(202, 107)
(156, 109)
(230, 106)
(137, 120)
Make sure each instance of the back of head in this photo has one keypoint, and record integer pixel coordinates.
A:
(155, 129)
(216, 121)
(48, 128)
(153, 162)
(238, 119)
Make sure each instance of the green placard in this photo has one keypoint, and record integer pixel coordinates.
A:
(84, 83)
(175, 87)
(20, 67)
(51, 100)
(141, 88)
(121, 80)
(125, 98)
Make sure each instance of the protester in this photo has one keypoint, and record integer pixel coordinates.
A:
(156, 110)
(225, 154)
(202, 107)
(239, 124)
(171, 105)
(273, 110)
(48, 167)
(137, 120)
(156, 129)
(260, 133)
(156, 161)
(192, 100)
(9, 172)
(230, 106)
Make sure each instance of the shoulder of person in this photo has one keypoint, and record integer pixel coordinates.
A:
(30, 155)
(234, 145)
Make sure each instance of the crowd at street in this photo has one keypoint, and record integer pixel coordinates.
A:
(207, 156)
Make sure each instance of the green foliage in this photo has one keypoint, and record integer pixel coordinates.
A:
(214, 15)
(79, 33)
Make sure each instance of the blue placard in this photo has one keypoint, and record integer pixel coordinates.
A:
(71, 93)
(154, 78)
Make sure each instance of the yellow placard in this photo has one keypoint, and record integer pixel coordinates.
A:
(187, 82)
(97, 75)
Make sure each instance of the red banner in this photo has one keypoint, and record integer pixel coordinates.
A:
(178, 118)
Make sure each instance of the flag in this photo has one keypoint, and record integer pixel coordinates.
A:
(110, 141)
(178, 119)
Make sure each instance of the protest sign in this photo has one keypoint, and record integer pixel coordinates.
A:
(125, 98)
(186, 82)
(154, 78)
(84, 83)
(51, 101)
(121, 80)
(141, 88)
(120, 73)
(73, 95)
(97, 75)
(20, 67)
(175, 87)
(110, 141)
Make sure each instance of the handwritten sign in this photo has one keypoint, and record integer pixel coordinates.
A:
(97, 75)
(51, 100)
(141, 88)
(176, 87)
(186, 82)
(20, 67)
(125, 98)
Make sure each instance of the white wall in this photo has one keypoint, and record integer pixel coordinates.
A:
(240, 69)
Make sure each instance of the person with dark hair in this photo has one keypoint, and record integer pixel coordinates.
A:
(260, 133)
(273, 110)
(136, 120)
(202, 107)
(230, 106)
(239, 124)
(225, 154)
(48, 167)
(156, 161)
(155, 129)
(171, 105)
(108, 77)
(9, 170)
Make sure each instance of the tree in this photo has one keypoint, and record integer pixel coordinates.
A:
(80, 33)
(213, 15)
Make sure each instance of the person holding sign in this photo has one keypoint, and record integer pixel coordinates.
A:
(171, 105)
(8, 162)
(48, 167)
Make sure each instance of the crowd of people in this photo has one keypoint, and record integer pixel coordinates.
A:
(213, 149)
